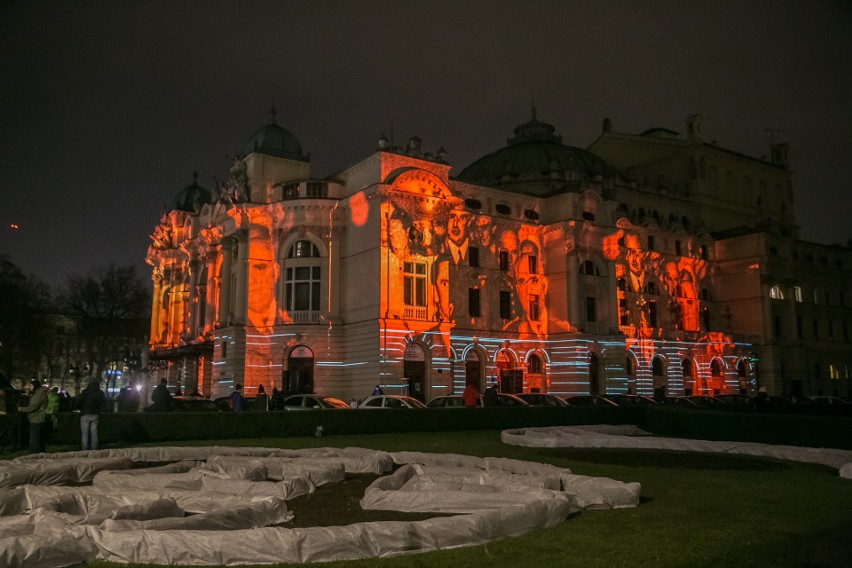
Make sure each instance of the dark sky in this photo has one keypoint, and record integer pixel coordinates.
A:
(106, 108)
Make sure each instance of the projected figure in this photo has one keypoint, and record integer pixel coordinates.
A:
(531, 289)
(457, 238)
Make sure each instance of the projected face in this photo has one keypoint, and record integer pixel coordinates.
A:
(457, 226)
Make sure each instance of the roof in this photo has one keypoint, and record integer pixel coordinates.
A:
(274, 140)
(191, 198)
(536, 162)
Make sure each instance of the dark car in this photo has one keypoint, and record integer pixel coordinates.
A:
(702, 401)
(738, 399)
(224, 403)
(681, 401)
(631, 400)
(191, 404)
(541, 399)
(589, 400)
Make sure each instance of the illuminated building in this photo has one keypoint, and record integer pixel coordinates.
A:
(644, 261)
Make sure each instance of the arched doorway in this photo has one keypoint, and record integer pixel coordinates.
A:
(511, 378)
(742, 376)
(658, 373)
(473, 369)
(688, 377)
(535, 374)
(717, 379)
(299, 376)
(414, 370)
(595, 382)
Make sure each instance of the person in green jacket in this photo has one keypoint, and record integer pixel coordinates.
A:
(35, 412)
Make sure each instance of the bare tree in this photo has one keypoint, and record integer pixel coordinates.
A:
(25, 333)
(111, 303)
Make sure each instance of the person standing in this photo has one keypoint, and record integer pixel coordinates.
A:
(236, 400)
(378, 391)
(470, 396)
(161, 397)
(261, 400)
(35, 412)
(490, 397)
(92, 403)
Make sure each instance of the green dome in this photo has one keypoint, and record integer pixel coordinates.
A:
(536, 162)
(274, 140)
(191, 198)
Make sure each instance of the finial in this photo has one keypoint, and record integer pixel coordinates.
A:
(272, 113)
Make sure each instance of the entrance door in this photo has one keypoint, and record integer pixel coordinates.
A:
(299, 378)
(473, 370)
(414, 369)
(595, 374)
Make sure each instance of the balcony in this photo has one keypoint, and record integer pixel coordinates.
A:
(304, 190)
(415, 312)
(308, 317)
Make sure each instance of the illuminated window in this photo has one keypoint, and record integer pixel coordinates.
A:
(505, 305)
(414, 284)
(833, 373)
(797, 293)
(303, 288)
(473, 256)
(473, 302)
(504, 260)
(534, 309)
(591, 309)
(303, 249)
(775, 293)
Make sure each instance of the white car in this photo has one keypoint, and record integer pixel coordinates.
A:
(391, 401)
(312, 402)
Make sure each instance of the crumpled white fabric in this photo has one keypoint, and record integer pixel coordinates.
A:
(608, 436)
(223, 506)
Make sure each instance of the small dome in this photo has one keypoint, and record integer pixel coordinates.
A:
(536, 162)
(274, 140)
(191, 198)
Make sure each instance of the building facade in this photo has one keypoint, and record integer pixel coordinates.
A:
(645, 261)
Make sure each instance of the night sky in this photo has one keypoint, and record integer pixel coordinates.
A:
(106, 108)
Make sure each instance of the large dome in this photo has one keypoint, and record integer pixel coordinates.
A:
(536, 162)
(274, 140)
(191, 198)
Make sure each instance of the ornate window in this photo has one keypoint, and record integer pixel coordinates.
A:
(414, 289)
(302, 282)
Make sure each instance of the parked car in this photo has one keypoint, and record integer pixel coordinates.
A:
(589, 400)
(541, 399)
(681, 401)
(224, 403)
(191, 404)
(631, 399)
(391, 401)
(312, 402)
(739, 399)
(825, 399)
(449, 401)
(456, 401)
(703, 401)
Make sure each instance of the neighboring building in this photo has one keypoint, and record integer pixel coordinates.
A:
(646, 261)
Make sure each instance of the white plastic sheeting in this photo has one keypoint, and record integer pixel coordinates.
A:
(608, 436)
(224, 506)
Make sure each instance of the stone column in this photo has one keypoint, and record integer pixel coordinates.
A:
(242, 276)
(225, 282)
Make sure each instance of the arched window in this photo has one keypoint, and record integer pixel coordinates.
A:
(658, 367)
(775, 293)
(715, 368)
(534, 364)
(303, 249)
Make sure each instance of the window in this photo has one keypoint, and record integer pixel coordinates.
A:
(588, 216)
(704, 254)
(473, 302)
(704, 294)
(815, 325)
(775, 293)
(650, 289)
(502, 209)
(303, 249)
(715, 368)
(589, 268)
(532, 264)
(534, 310)
(827, 298)
(531, 215)
(799, 327)
(473, 256)
(303, 288)
(622, 284)
(833, 373)
(504, 260)
(650, 242)
(652, 313)
(534, 364)
(797, 293)
(776, 325)
(414, 284)
(658, 368)
(591, 309)
(471, 203)
(224, 350)
(816, 296)
(677, 248)
(622, 312)
(705, 317)
(505, 305)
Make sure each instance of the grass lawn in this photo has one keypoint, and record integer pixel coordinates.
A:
(697, 509)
